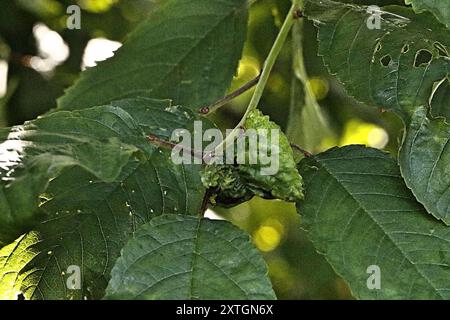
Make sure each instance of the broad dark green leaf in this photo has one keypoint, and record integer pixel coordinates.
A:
(33, 154)
(394, 67)
(187, 51)
(181, 257)
(359, 213)
(425, 162)
(88, 221)
(440, 8)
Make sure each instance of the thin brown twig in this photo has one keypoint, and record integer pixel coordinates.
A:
(218, 104)
(305, 153)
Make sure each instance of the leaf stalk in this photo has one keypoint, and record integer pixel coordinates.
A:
(266, 71)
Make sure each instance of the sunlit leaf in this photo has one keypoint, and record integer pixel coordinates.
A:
(425, 162)
(402, 65)
(12, 258)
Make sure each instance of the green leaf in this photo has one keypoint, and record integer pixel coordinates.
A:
(36, 152)
(12, 259)
(88, 221)
(359, 213)
(187, 51)
(441, 99)
(440, 8)
(425, 162)
(394, 67)
(180, 257)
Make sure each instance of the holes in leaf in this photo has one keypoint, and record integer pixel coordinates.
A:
(386, 60)
(441, 49)
(405, 48)
(423, 58)
(378, 47)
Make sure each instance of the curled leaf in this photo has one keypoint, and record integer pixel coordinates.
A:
(278, 179)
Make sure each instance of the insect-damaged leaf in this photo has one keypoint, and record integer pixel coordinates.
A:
(187, 51)
(360, 214)
(402, 66)
(394, 67)
(181, 257)
(87, 221)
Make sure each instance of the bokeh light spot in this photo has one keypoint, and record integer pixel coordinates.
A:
(98, 49)
(320, 87)
(358, 132)
(53, 51)
(97, 6)
(267, 238)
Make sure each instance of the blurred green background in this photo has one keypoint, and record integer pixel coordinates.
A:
(39, 58)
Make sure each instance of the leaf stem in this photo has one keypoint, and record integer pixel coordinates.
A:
(267, 69)
(307, 154)
(170, 145)
(218, 104)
